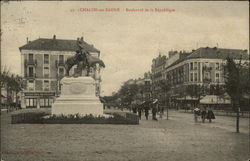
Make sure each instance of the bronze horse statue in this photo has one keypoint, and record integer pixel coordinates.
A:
(83, 60)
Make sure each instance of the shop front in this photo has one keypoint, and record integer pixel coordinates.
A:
(38, 99)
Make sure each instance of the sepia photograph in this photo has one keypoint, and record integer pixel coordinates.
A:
(125, 81)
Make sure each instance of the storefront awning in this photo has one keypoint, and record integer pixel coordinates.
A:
(188, 98)
(214, 99)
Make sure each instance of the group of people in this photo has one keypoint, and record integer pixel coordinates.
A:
(145, 107)
(203, 114)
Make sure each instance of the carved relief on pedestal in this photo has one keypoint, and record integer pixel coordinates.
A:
(78, 88)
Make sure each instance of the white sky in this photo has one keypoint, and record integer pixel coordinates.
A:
(128, 41)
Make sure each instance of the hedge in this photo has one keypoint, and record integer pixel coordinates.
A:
(44, 118)
(31, 117)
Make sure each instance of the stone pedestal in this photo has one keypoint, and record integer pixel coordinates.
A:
(77, 96)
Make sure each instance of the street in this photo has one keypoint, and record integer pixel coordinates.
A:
(176, 139)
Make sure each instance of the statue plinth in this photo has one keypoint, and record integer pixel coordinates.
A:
(77, 96)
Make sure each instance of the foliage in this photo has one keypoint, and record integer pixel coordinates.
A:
(237, 84)
(236, 79)
(12, 83)
(30, 117)
(165, 87)
(195, 90)
(44, 118)
(128, 92)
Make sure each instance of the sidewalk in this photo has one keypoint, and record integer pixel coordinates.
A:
(243, 114)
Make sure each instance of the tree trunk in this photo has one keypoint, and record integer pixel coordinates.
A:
(16, 100)
(237, 117)
(167, 112)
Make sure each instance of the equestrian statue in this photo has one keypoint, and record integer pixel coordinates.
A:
(83, 60)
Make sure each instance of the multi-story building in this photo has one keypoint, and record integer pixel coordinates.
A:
(147, 94)
(191, 75)
(157, 68)
(203, 67)
(42, 67)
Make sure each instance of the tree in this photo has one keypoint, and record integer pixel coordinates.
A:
(12, 83)
(4, 78)
(236, 86)
(128, 92)
(165, 87)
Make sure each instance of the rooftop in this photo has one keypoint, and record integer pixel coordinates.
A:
(56, 45)
(218, 53)
(214, 53)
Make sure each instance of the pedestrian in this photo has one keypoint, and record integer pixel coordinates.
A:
(161, 110)
(203, 115)
(210, 115)
(146, 109)
(134, 107)
(196, 114)
(154, 109)
(139, 111)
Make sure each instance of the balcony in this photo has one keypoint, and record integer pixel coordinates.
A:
(207, 80)
(30, 62)
(59, 63)
(30, 75)
(207, 68)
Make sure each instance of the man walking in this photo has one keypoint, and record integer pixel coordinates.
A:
(154, 109)
(146, 109)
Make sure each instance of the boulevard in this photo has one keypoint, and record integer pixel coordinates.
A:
(178, 138)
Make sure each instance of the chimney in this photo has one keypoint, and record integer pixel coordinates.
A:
(27, 39)
(54, 37)
(82, 38)
(78, 39)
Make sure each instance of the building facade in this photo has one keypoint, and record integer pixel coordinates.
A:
(157, 69)
(198, 73)
(42, 67)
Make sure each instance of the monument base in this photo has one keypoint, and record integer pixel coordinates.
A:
(77, 97)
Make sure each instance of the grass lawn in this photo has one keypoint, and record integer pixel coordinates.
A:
(176, 139)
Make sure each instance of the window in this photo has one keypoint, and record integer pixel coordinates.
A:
(46, 72)
(195, 66)
(217, 66)
(206, 76)
(31, 102)
(61, 58)
(191, 77)
(31, 56)
(46, 59)
(195, 77)
(61, 71)
(191, 66)
(31, 72)
(31, 85)
(46, 85)
(217, 77)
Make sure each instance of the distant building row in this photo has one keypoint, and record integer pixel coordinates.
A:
(203, 67)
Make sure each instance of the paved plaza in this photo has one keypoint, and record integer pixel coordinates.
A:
(176, 139)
